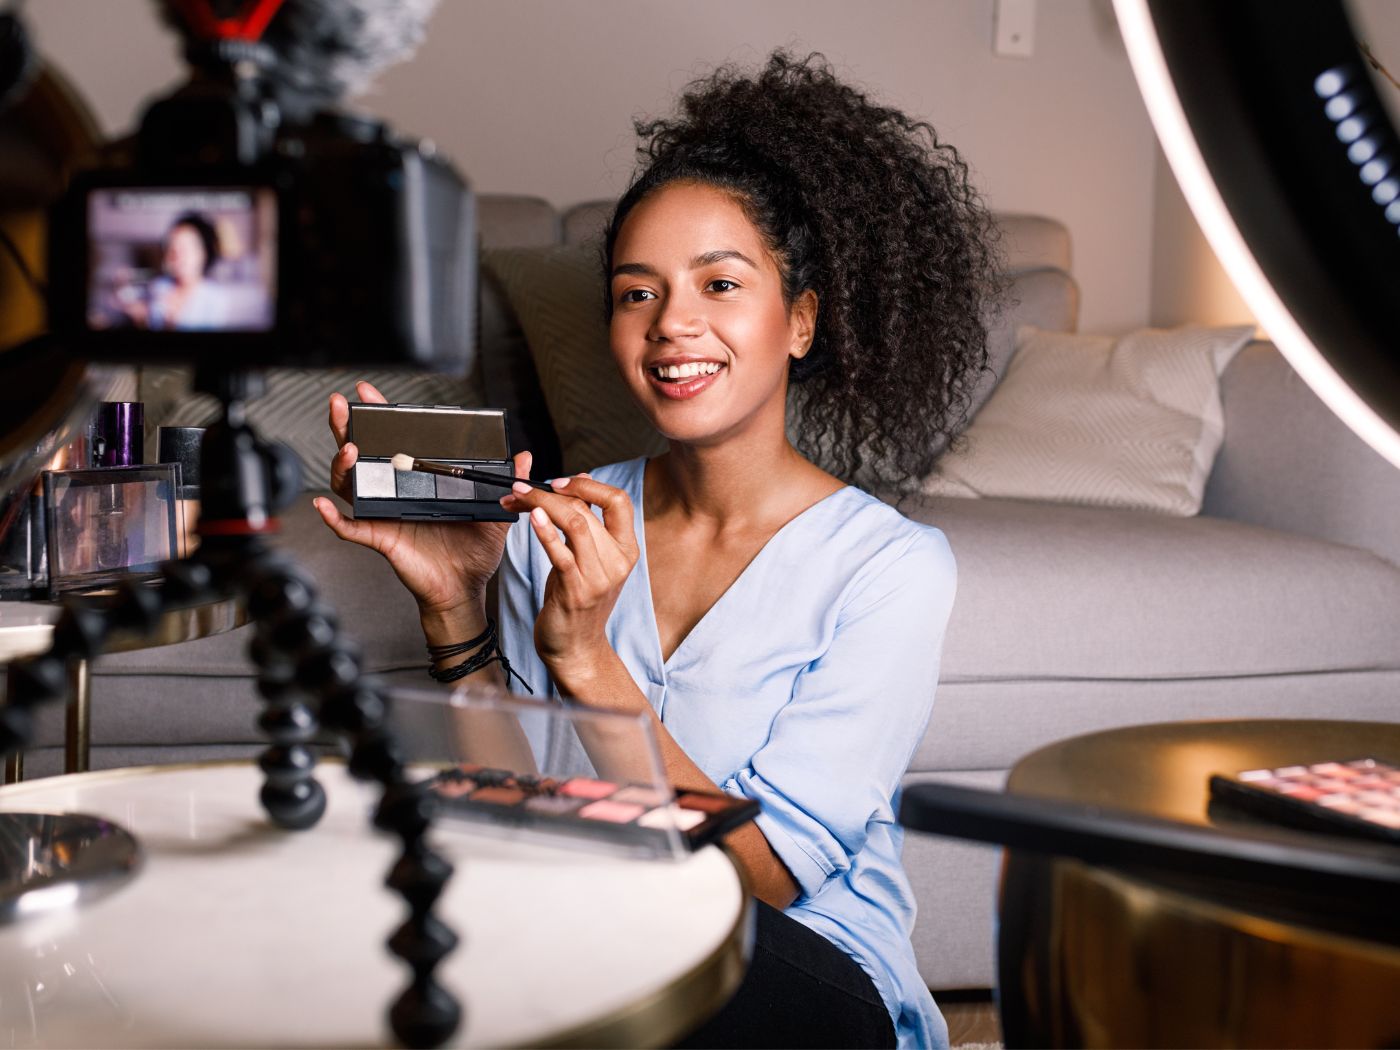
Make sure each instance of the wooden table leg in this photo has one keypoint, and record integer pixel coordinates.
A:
(77, 734)
(14, 768)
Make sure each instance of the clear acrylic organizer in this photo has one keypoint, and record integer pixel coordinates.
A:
(562, 773)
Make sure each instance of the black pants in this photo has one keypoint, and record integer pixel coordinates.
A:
(801, 991)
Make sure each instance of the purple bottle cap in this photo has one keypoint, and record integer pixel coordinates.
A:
(122, 427)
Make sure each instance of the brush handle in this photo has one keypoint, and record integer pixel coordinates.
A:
(485, 477)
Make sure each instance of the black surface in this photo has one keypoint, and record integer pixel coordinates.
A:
(1313, 865)
(1245, 73)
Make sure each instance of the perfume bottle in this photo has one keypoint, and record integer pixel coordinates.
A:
(119, 441)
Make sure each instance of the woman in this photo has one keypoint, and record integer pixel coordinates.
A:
(781, 627)
(183, 297)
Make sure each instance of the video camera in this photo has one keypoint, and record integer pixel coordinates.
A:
(237, 229)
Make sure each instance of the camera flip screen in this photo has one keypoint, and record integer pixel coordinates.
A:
(182, 259)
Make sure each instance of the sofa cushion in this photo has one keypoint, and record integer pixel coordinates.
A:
(1055, 592)
(1128, 422)
(1046, 298)
(1028, 242)
(584, 223)
(1072, 619)
(993, 723)
(1032, 242)
(1313, 476)
(510, 220)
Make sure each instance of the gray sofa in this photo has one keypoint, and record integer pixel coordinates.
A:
(1282, 599)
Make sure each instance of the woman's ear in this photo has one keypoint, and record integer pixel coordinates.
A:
(802, 322)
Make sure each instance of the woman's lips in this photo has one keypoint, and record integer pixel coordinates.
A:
(682, 389)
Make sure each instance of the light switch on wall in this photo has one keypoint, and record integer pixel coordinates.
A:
(1014, 31)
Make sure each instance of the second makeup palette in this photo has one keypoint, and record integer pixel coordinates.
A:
(1359, 797)
(468, 437)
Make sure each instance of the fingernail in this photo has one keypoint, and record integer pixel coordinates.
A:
(520, 487)
(539, 517)
(560, 483)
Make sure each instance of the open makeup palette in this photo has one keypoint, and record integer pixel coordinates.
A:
(464, 437)
(640, 815)
(563, 773)
(1359, 797)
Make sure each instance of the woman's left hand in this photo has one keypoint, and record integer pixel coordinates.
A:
(592, 561)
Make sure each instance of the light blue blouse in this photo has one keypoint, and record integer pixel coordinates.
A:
(207, 308)
(806, 687)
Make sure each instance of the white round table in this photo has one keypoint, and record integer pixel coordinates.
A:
(235, 933)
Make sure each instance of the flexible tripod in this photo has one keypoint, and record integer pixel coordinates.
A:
(308, 676)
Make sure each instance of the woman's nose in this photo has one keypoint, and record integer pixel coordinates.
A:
(679, 317)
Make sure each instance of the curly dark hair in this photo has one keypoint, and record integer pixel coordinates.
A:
(204, 228)
(867, 208)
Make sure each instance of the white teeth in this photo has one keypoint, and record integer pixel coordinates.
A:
(685, 371)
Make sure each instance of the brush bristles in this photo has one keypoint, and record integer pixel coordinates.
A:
(402, 461)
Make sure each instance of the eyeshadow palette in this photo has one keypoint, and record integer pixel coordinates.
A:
(466, 437)
(651, 819)
(1359, 797)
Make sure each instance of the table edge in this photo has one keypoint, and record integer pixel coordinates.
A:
(699, 992)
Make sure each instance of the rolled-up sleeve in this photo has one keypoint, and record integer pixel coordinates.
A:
(837, 750)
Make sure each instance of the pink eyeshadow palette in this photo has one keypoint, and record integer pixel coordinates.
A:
(635, 815)
(1360, 797)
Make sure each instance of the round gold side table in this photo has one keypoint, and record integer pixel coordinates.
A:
(1091, 955)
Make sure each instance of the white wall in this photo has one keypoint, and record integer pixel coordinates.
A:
(1188, 282)
(537, 96)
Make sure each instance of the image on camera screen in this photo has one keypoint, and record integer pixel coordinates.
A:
(182, 259)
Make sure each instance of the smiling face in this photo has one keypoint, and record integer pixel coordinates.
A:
(700, 329)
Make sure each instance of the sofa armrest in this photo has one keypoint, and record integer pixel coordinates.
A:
(1288, 463)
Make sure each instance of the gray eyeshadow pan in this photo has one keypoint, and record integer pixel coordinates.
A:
(414, 484)
(375, 480)
(455, 488)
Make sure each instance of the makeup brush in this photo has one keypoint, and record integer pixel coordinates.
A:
(403, 461)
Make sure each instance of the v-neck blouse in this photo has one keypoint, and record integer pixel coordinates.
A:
(806, 686)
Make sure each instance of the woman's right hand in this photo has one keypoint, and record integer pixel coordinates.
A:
(444, 565)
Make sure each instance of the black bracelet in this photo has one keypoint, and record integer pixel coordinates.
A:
(476, 663)
(490, 652)
(444, 652)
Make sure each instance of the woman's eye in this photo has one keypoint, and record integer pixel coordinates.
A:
(636, 295)
(722, 284)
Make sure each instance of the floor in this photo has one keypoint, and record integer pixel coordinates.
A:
(972, 1018)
